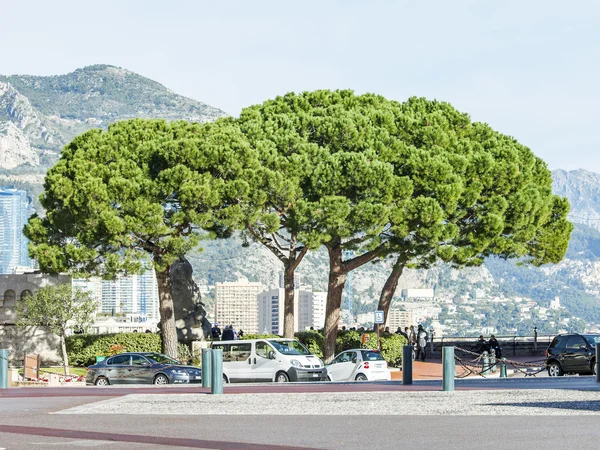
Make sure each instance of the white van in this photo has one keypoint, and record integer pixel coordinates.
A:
(259, 360)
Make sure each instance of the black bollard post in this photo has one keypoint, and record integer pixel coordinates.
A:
(597, 362)
(407, 360)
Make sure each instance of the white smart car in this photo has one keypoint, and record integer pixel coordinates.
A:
(358, 365)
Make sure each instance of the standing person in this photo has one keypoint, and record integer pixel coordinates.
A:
(493, 344)
(481, 345)
(401, 333)
(228, 333)
(412, 337)
(422, 339)
(240, 334)
(215, 332)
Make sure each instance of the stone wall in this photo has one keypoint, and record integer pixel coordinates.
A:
(26, 340)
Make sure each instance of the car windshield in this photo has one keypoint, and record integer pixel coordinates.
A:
(593, 338)
(369, 355)
(161, 359)
(290, 347)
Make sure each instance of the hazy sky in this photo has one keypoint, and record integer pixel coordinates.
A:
(528, 68)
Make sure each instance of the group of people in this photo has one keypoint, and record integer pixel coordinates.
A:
(487, 346)
(228, 334)
(418, 338)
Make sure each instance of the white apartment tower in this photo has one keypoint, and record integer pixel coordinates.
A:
(135, 295)
(399, 318)
(236, 304)
(311, 309)
(271, 311)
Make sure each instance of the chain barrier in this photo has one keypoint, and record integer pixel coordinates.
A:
(62, 376)
(475, 367)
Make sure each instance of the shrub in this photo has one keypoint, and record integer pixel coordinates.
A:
(259, 336)
(391, 348)
(313, 340)
(82, 349)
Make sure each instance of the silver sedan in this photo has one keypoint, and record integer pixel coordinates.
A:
(141, 368)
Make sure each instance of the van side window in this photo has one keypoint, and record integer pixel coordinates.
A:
(263, 349)
(239, 352)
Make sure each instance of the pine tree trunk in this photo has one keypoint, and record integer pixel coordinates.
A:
(63, 348)
(335, 288)
(288, 306)
(387, 293)
(167, 315)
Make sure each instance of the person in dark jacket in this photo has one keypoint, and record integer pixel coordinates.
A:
(481, 345)
(228, 334)
(493, 344)
(216, 332)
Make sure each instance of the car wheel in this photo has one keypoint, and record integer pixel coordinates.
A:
(554, 370)
(328, 378)
(101, 381)
(594, 367)
(361, 377)
(282, 377)
(161, 379)
(225, 380)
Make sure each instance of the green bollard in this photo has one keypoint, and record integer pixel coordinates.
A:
(3, 369)
(493, 361)
(407, 359)
(449, 368)
(206, 366)
(502, 367)
(486, 364)
(216, 386)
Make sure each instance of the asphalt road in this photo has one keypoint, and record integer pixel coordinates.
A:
(39, 420)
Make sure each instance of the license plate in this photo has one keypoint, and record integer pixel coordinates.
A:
(315, 375)
(197, 378)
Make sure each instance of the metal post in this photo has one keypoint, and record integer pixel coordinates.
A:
(449, 368)
(407, 359)
(3, 369)
(535, 339)
(502, 367)
(597, 362)
(216, 386)
(493, 367)
(206, 366)
(486, 364)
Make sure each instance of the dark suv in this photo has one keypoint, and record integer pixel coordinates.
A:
(572, 353)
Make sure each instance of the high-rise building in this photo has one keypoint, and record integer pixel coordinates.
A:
(236, 304)
(134, 295)
(311, 309)
(399, 318)
(271, 311)
(296, 280)
(15, 209)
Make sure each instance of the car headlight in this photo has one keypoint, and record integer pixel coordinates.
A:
(178, 371)
(296, 363)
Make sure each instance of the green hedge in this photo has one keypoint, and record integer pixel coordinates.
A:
(313, 340)
(82, 349)
(246, 337)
